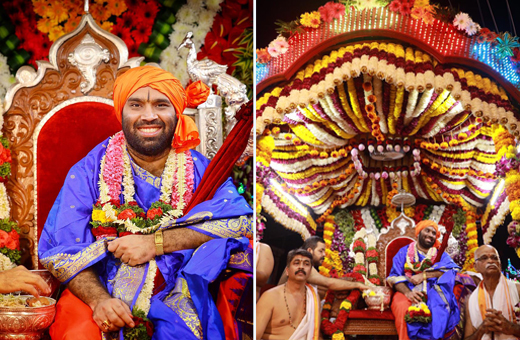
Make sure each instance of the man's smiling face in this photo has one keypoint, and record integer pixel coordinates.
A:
(149, 121)
(427, 237)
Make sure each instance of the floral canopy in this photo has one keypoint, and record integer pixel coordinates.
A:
(374, 101)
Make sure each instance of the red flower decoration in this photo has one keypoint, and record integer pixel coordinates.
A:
(395, 6)
(4, 238)
(126, 214)
(331, 10)
(406, 8)
(101, 232)
(5, 155)
(150, 214)
(12, 244)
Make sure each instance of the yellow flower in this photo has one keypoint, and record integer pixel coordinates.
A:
(312, 19)
(116, 7)
(107, 26)
(421, 3)
(58, 12)
(45, 24)
(372, 293)
(338, 336)
(346, 305)
(56, 32)
(98, 216)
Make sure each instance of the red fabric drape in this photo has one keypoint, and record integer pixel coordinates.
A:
(221, 165)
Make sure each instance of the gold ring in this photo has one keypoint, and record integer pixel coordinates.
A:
(106, 325)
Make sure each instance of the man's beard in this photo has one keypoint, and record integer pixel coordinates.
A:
(148, 146)
(424, 243)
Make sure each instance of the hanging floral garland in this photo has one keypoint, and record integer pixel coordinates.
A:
(335, 329)
(9, 231)
(508, 167)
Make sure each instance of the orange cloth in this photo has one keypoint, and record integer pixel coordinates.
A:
(425, 224)
(400, 304)
(75, 320)
(186, 135)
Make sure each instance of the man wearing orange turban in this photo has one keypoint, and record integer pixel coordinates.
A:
(136, 184)
(416, 278)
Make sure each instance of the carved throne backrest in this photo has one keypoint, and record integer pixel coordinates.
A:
(398, 235)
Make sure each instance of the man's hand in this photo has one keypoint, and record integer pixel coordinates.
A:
(496, 322)
(361, 286)
(20, 278)
(133, 249)
(417, 279)
(114, 312)
(414, 296)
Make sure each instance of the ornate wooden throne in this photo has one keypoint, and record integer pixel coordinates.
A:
(56, 115)
(371, 322)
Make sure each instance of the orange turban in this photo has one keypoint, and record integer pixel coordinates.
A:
(186, 135)
(425, 224)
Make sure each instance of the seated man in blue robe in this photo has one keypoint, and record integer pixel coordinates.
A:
(136, 265)
(415, 279)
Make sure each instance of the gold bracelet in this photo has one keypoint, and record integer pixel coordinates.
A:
(159, 243)
(424, 276)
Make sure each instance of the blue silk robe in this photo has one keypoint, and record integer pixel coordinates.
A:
(441, 300)
(184, 309)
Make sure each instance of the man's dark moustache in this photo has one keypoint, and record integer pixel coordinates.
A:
(300, 271)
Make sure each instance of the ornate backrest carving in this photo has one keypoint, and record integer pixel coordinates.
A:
(391, 240)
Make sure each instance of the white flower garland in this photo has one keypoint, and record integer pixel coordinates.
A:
(196, 16)
(496, 221)
(280, 217)
(368, 220)
(167, 178)
(6, 80)
(143, 300)
(372, 269)
(359, 258)
(4, 202)
(5, 263)
(104, 197)
(371, 240)
(436, 213)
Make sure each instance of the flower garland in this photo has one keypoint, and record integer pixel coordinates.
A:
(335, 329)
(6, 80)
(413, 265)
(418, 313)
(116, 178)
(9, 230)
(6, 263)
(9, 241)
(287, 162)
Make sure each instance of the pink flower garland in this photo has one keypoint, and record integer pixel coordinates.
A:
(113, 172)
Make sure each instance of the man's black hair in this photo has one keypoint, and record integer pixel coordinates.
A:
(295, 252)
(312, 242)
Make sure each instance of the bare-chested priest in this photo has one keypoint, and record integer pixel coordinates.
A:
(291, 310)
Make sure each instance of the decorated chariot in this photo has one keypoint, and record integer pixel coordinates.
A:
(374, 117)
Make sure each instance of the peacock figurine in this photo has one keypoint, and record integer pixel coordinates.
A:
(205, 70)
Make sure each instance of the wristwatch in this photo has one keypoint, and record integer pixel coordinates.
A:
(159, 243)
